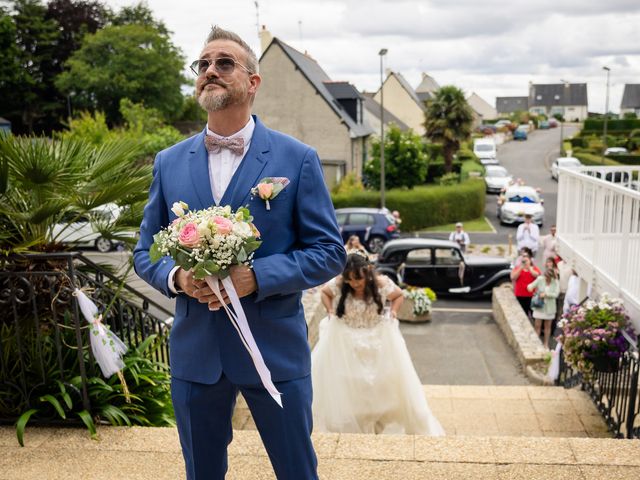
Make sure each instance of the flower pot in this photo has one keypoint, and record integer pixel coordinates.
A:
(605, 364)
(405, 314)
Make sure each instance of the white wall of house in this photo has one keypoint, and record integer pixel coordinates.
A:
(629, 110)
(288, 102)
(570, 112)
(398, 101)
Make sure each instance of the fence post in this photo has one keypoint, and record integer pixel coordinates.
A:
(633, 393)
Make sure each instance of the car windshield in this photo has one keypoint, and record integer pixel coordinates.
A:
(484, 148)
(522, 197)
(497, 173)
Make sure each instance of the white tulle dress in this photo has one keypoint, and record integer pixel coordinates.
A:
(363, 377)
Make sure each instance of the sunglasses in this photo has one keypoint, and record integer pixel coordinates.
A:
(223, 65)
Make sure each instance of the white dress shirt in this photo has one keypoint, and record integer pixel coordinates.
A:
(528, 237)
(222, 166)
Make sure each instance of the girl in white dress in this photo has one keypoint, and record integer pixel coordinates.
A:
(362, 374)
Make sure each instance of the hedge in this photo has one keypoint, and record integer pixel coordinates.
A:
(590, 159)
(436, 169)
(425, 206)
(627, 159)
(597, 125)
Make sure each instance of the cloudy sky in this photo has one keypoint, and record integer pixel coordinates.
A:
(491, 47)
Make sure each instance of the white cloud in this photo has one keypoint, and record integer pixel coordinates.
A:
(491, 47)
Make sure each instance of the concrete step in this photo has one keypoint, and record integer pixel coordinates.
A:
(154, 454)
(520, 411)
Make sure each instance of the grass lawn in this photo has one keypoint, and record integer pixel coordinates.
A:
(478, 225)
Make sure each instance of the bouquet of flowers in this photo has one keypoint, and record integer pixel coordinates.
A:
(209, 242)
(422, 299)
(593, 335)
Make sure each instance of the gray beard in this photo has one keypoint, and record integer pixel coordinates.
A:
(212, 103)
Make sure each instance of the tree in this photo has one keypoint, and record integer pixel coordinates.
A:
(405, 160)
(35, 42)
(139, 14)
(129, 61)
(448, 121)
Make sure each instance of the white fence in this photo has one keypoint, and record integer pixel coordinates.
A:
(599, 229)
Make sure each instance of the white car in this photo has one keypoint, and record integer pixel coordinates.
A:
(82, 232)
(496, 178)
(518, 201)
(563, 162)
(485, 150)
(616, 151)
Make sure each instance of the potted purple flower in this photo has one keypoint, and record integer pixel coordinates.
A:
(592, 335)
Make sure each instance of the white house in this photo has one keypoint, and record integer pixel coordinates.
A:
(566, 99)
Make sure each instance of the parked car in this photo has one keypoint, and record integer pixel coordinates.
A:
(441, 266)
(83, 231)
(553, 123)
(519, 134)
(496, 178)
(487, 128)
(485, 150)
(503, 123)
(543, 125)
(616, 151)
(565, 162)
(525, 126)
(373, 226)
(518, 201)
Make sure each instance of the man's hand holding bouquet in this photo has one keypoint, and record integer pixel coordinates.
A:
(209, 243)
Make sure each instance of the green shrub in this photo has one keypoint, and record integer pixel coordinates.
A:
(469, 166)
(436, 170)
(434, 151)
(349, 184)
(590, 159)
(405, 160)
(625, 159)
(618, 126)
(425, 206)
(449, 179)
(580, 142)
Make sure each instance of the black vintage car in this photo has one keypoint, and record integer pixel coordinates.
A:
(441, 266)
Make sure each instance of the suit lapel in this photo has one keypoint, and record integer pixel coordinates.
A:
(199, 170)
(248, 173)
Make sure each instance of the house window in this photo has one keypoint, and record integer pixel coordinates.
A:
(538, 97)
(557, 97)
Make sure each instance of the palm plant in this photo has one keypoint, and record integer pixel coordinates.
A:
(51, 183)
(448, 121)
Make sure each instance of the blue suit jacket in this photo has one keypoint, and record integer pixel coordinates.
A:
(301, 248)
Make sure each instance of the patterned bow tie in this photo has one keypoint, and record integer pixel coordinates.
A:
(215, 144)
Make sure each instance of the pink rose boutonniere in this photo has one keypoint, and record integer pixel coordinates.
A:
(269, 187)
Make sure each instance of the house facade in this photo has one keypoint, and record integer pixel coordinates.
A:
(505, 106)
(630, 99)
(402, 101)
(298, 98)
(372, 115)
(482, 110)
(566, 99)
(427, 88)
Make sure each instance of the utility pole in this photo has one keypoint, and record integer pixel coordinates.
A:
(606, 115)
(382, 53)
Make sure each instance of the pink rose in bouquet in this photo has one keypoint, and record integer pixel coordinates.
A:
(223, 225)
(189, 236)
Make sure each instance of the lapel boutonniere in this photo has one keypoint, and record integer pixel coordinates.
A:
(269, 187)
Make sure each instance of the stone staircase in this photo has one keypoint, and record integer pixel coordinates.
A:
(493, 432)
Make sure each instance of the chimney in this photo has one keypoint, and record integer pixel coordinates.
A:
(265, 38)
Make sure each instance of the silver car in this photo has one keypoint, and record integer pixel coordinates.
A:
(496, 178)
(563, 162)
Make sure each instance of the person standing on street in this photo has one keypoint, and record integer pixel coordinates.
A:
(528, 235)
(460, 237)
(550, 244)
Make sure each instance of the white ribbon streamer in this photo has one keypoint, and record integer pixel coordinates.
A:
(239, 321)
(106, 346)
(554, 368)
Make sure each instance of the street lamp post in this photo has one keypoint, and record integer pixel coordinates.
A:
(382, 53)
(606, 115)
(561, 120)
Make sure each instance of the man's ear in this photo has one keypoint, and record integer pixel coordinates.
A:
(254, 83)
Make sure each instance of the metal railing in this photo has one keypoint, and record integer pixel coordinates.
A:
(615, 394)
(44, 336)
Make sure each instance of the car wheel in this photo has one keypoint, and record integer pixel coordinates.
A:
(375, 244)
(103, 245)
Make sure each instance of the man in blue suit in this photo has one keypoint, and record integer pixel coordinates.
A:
(301, 248)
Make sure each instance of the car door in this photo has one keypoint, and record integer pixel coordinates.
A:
(448, 269)
(418, 268)
(342, 217)
(358, 224)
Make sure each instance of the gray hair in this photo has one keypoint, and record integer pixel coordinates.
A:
(218, 33)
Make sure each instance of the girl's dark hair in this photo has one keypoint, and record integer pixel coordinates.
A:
(359, 267)
(550, 273)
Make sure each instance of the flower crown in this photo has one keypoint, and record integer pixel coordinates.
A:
(355, 251)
